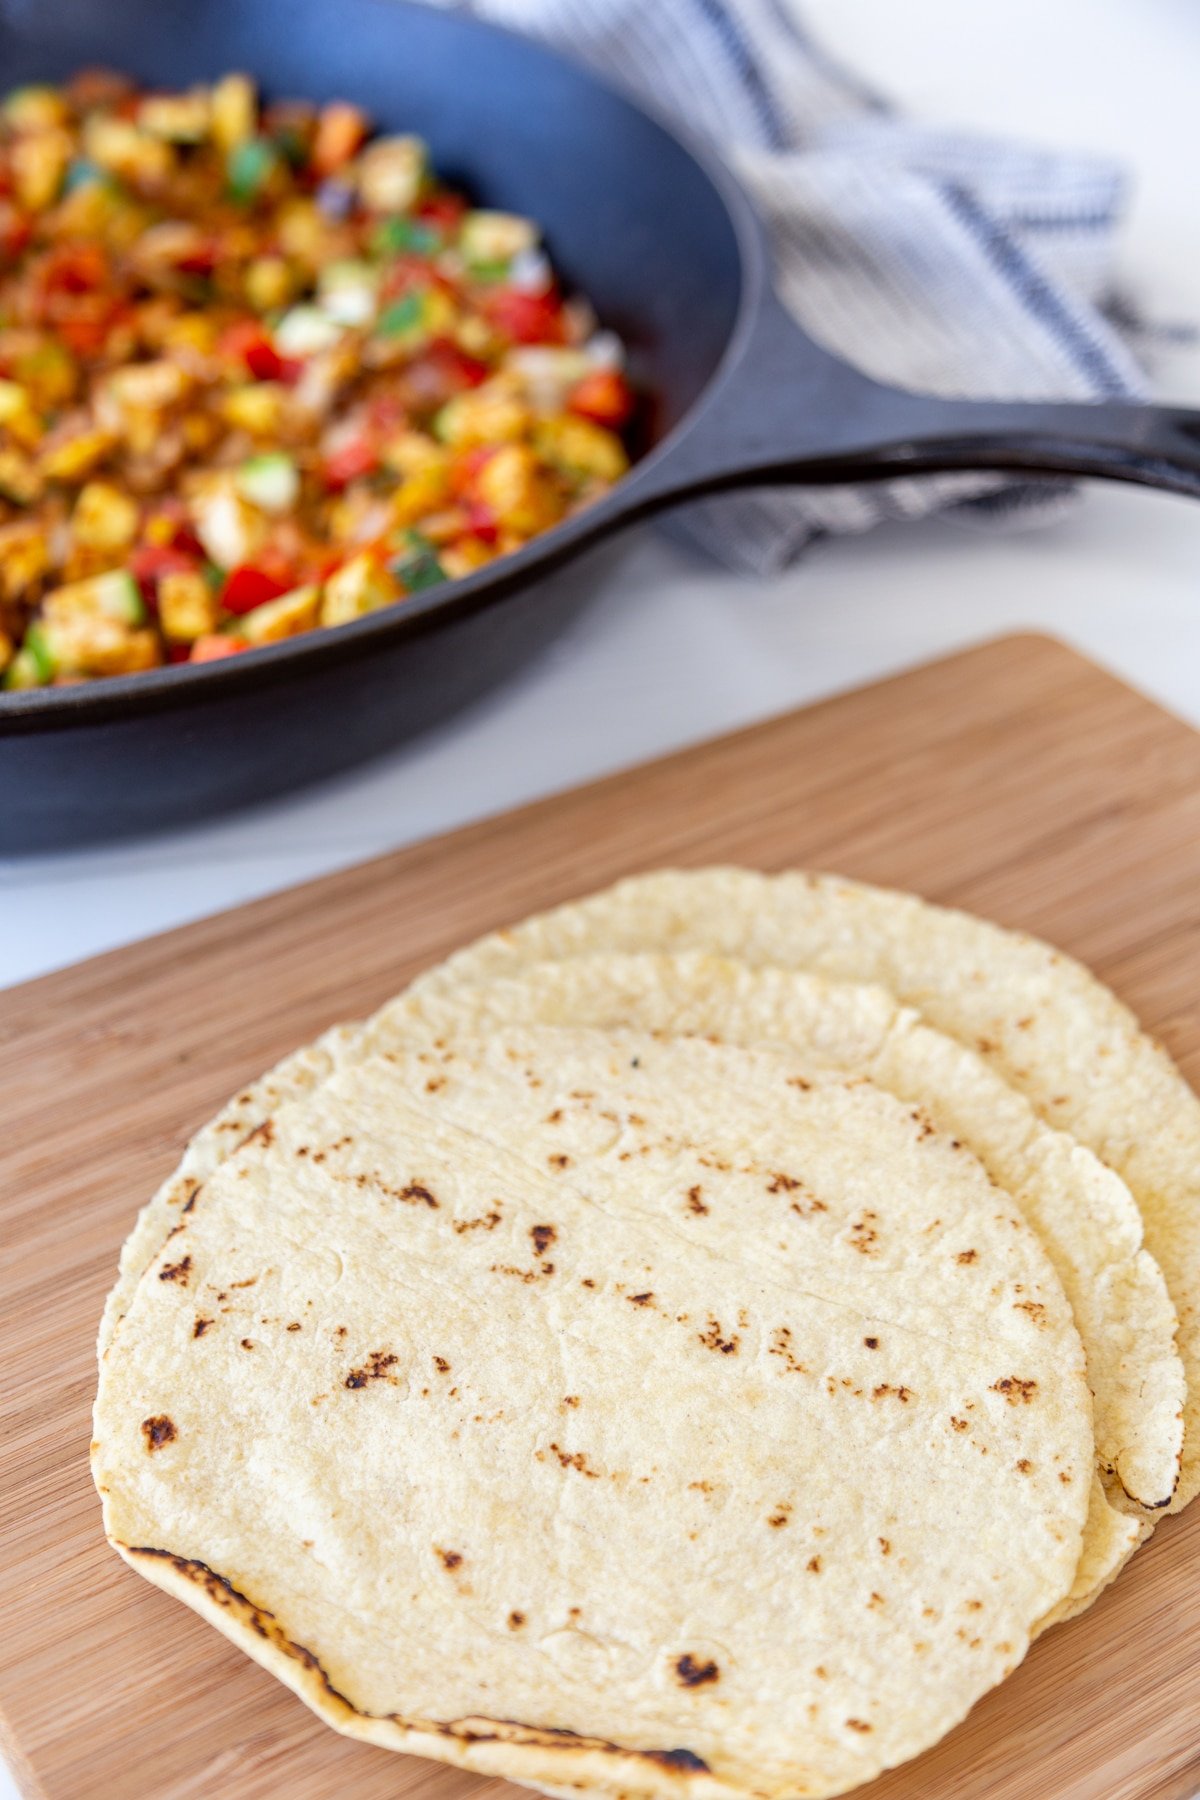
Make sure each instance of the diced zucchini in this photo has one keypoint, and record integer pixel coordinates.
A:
(148, 386)
(233, 111)
(99, 646)
(23, 672)
(391, 236)
(305, 330)
(270, 481)
(496, 237)
(114, 595)
(290, 614)
(392, 172)
(76, 456)
(359, 586)
(249, 168)
(419, 567)
(403, 317)
(118, 145)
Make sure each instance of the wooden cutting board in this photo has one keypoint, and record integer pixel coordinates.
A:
(1015, 779)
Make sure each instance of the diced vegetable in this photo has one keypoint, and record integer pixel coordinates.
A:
(340, 130)
(283, 617)
(104, 518)
(261, 372)
(391, 173)
(359, 586)
(496, 237)
(305, 330)
(251, 165)
(418, 567)
(228, 527)
(270, 481)
(187, 606)
(234, 111)
(180, 118)
(248, 587)
(114, 596)
(214, 648)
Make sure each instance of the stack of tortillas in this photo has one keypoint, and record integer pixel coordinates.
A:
(688, 1344)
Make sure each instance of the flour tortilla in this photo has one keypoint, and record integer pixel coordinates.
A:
(1044, 1022)
(404, 1543)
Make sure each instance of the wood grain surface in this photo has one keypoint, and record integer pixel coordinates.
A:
(1015, 779)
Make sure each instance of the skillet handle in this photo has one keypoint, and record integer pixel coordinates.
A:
(787, 412)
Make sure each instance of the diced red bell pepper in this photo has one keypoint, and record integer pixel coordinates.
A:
(457, 369)
(483, 522)
(215, 646)
(250, 585)
(604, 396)
(444, 212)
(526, 318)
(75, 268)
(246, 342)
(358, 457)
(150, 562)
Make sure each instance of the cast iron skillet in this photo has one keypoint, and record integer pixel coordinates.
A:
(659, 235)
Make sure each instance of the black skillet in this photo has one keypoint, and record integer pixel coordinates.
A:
(664, 242)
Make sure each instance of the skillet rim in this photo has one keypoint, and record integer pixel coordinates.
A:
(176, 686)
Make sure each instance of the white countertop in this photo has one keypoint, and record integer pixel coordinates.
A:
(676, 650)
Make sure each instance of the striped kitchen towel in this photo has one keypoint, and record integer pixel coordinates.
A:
(937, 260)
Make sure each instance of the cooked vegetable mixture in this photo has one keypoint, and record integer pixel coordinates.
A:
(260, 372)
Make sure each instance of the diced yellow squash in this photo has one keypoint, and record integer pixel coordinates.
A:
(18, 416)
(581, 447)
(461, 558)
(149, 386)
(285, 617)
(76, 456)
(408, 451)
(258, 407)
(20, 482)
(187, 606)
(302, 231)
(269, 283)
(117, 144)
(234, 111)
(391, 173)
(194, 331)
(519, 491)
(426, 489)
(230, 529)
(179, 118)
(104, 518)
(494, 237)
(24, 558)
(360, 586)
(39, 162)
(492, 414)
(35, 108)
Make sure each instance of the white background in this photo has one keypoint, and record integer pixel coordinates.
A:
(676, 651)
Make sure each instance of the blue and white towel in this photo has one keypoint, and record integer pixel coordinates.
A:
(936, 260)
